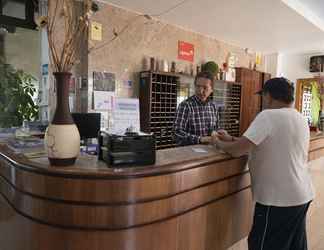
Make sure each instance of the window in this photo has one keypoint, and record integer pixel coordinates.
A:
(19, 13)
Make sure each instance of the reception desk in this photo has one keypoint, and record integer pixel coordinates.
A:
(188, 200)
(316, 146)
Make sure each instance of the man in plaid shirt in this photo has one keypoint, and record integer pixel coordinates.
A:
(196, 117)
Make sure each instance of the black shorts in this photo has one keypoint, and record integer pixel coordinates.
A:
(278, 228)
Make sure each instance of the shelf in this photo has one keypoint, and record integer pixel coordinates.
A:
(161, 92)
(173, 74)
(164, 93)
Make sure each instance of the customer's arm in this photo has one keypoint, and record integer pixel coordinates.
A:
(257, 132)
(238, 147)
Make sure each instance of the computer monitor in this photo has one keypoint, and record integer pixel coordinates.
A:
(88, 124)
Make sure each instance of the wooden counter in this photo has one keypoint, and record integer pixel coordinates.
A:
(186, 201)
(316, 146)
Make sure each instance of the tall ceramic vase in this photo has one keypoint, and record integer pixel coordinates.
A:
(62, 138)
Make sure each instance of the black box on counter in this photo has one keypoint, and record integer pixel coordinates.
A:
(129, 149)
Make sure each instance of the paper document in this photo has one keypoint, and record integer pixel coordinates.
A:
(103, 100)
(125, 115)
(199, 150)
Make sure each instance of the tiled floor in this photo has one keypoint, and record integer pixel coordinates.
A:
(315, 223)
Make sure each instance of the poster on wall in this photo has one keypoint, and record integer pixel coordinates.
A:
(103, 100)
(96, 31)
(104, 81)
(45, 69)
(128, 84)
(185, 51)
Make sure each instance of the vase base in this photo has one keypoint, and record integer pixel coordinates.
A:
(62, 162)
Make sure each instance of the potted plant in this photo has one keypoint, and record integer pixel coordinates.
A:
(16, 97)
(211, 67)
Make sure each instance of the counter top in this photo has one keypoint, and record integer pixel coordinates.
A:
(316, 135)
(316, 145)
(87, 166)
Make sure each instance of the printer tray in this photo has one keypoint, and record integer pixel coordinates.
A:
(128, 158)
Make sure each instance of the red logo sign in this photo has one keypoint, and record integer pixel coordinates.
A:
(185, 51)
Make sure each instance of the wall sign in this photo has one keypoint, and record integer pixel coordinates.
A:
(185, 51)
(104, 81)
(45, 69)
(96, 31)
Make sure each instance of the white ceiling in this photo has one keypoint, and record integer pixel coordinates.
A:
(317, 6)
(267, 26)
(311, 9)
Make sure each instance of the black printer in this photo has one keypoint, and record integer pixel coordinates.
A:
(128, 149)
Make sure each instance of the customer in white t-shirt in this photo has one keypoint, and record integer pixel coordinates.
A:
(277, 142)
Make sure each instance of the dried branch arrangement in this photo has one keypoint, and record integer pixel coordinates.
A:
(75, 25)
(75, 22)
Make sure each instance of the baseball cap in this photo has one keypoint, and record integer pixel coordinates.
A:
(279, 88)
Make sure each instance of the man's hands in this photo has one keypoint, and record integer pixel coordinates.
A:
(205, 140)
(221, 135)
(234, 146)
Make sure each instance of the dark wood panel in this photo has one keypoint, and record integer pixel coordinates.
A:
(252, 81)
(144, 101)
(112, 191)
(88, 205)
(316, 146)
(185, 201)
(158, 103)
(228, 96)
(216, 225)
(265, 77)
(316, 154)
(316, 142)
(112, 217)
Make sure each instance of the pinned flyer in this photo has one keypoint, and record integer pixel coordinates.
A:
(103, 100)
(96, 31)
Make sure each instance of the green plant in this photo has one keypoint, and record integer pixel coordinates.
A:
(16, 91)
(211, 67)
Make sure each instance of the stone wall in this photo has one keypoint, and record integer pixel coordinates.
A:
(145, 38)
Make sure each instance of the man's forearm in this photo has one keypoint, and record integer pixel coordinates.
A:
(233, 148)
(227, 146)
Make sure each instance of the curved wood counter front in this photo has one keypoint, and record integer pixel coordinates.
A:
(316, 146)
(186, 201)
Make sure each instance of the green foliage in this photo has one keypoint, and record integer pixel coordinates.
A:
(210, 66)
(16, 91)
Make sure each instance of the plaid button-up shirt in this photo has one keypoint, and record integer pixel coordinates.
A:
(194, 119)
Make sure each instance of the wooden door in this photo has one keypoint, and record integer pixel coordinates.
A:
(252, 82)
(265, 77)
(303, 101)
(300, 85)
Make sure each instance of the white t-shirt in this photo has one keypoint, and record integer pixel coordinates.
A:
(278, 164)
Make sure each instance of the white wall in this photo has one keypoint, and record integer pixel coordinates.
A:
(22, 50)
(294, 66)
(271, 64)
